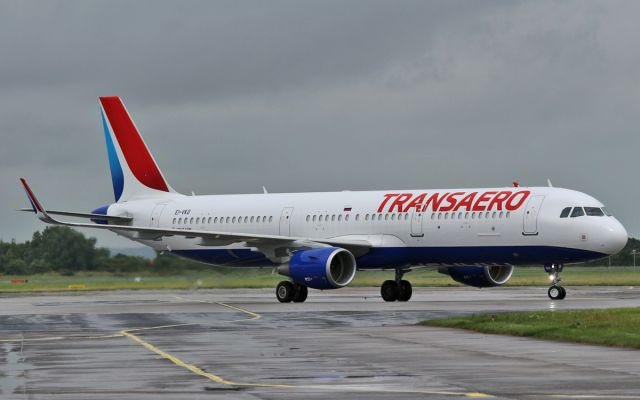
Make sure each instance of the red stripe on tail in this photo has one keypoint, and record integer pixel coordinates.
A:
(135, 151)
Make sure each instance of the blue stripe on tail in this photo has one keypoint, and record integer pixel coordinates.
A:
(117, 177)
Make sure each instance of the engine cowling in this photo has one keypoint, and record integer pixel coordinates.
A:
(478, 275)
(323, 268)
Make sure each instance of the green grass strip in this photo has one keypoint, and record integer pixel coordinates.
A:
(618, 327)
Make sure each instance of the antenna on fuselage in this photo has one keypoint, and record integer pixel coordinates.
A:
(549, 183)
(264, 190)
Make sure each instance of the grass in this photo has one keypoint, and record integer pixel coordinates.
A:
(264, 278)
(612, 327)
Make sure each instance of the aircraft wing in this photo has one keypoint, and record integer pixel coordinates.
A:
(120, 220)
(272, 245)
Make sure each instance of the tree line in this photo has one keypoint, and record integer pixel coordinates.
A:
(66, 251)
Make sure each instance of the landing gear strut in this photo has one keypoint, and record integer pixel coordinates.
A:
(398, 289)
(286, 292)
(556, 292)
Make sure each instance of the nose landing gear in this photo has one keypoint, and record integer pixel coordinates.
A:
(398, 289)
(556, 292)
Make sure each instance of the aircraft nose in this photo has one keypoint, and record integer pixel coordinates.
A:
(616, 238)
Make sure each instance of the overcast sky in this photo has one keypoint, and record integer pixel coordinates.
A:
(321, 96)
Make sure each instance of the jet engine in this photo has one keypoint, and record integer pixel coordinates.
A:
(323, 268)
(478, 275)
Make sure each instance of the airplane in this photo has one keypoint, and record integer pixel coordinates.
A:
(319, 240)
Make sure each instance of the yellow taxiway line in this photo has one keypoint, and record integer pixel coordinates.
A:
(254, 316)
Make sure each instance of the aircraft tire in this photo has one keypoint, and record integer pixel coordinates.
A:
(300, 294)
(556, 292)
(563, 293)
(285, 292)
(404, 291)
(389, 291)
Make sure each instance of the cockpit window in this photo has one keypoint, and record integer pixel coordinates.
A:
(565, 213)
(577, 212)
(594, 212)
(606, 212)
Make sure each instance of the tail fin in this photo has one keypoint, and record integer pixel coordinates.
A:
(134, 172)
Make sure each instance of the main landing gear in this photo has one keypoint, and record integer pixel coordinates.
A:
(286, 292)
(556, 292)
(398, 289)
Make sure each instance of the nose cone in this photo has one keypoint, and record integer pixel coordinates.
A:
(617, 237)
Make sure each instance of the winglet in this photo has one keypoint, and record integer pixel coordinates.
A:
(40, 212)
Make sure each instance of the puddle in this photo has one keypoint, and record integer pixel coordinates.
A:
(13, 370)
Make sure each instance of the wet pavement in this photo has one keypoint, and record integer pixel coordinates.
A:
(346, 344)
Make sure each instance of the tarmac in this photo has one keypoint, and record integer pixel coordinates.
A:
(343, 344)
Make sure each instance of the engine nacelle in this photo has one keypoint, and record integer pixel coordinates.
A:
(323, 268)
(478, 275)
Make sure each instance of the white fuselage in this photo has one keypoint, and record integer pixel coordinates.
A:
(406, 227)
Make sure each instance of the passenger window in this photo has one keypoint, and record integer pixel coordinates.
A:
(508, 214)
(433, 215)
(565, 212)
(339, 217)
(271, 219)
(494, 214)
(379, 217)
(314, 218)
(179, 221)
(233, 220)
(366, 217)
(174, 221)
(333, 217)
(501, 214)
(577, 212)
(197, 220)
(346, 218)
(357, 217)
(594, 212)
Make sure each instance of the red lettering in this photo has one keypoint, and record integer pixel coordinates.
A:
(416, 202)
(399, 202)
(523, 196)
(498, 200)
(466, 202)
(451, 199)
(478, 206)
(434, 201)
(387, 197)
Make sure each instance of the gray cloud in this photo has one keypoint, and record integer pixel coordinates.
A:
(322, 96)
